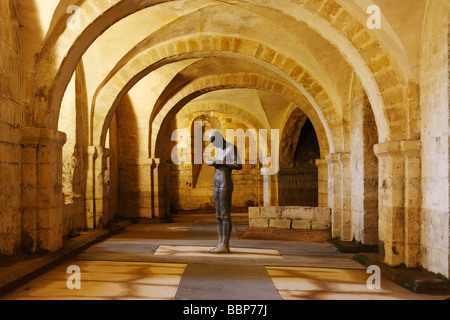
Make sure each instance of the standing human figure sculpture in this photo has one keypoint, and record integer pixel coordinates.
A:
(227, 160)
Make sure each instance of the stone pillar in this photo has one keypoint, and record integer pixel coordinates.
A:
(391, 201)
(97, 189)
(157, 183)
(145, 187)
(101, 186)
(266, 190)
(334, 197)
(274, 190)
(42, 196)
(413, 202)
(90, 187)
(269, 186)
(344, 160)
(322, 165)
(399, 201)
(339, 194)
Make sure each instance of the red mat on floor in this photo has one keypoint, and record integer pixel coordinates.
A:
(286, 235)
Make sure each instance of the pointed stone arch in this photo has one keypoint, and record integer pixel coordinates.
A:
(130, 71)
(63, 48)
(201, 86)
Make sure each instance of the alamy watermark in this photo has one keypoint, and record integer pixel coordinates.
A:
(374, 281)
(74, 280)
(189, 149)
(74, 20)
(374, 20)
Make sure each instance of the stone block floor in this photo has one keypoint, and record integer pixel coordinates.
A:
(170, 261)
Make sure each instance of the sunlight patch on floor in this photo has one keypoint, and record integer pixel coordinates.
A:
(193, 251)
(106, 280)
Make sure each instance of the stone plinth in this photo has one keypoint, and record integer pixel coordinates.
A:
(307, 218)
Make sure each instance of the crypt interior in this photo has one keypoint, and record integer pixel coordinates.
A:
(92, 91)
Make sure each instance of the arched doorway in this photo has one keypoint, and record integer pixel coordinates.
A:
(298, 177)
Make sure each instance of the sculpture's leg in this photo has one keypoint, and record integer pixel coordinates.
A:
(220, 231)
(222, 199)
(226, 216)
(216, 196)
(227, 228)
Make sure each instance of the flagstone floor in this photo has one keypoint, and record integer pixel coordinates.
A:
(171, 261)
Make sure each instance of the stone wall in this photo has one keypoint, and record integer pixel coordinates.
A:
(298, 187)
(191, 185)
(10, 121)
(186, 197)
(434, 234)
(306, 218)
(133, 166)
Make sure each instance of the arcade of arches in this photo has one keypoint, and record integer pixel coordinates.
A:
(91, 92)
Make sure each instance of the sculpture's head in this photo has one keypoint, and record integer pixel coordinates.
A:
(217, 138)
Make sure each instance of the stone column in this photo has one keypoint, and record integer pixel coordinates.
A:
(274, 190)
(322, 165)
(391, 202)
(399, 201)
(42, 196)
(266, 190)
(97, 189)
(146, 202)
(90, 187)
(269, 186)
(334, 194)
(101, 186)
(344, 160)
(157, 184)
(413, 201)
(339, 194)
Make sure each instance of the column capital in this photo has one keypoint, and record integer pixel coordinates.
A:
(99, 152)
(103, 152)
(92, 151)
(412, 147)
(332, 158)
(398, 148)
(155, 162)
(146, 161)
(337, 158)
(37, 136)
(321, 162)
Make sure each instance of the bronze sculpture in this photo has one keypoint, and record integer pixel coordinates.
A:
(227, 160)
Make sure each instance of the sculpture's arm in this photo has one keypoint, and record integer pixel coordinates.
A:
(214, 163)
(236, 164)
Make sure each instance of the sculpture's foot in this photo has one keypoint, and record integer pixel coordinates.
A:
(220, 249)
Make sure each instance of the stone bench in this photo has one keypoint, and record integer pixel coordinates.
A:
(306, 218)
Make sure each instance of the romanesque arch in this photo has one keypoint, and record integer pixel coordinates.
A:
(322, 78)
(342, 23)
